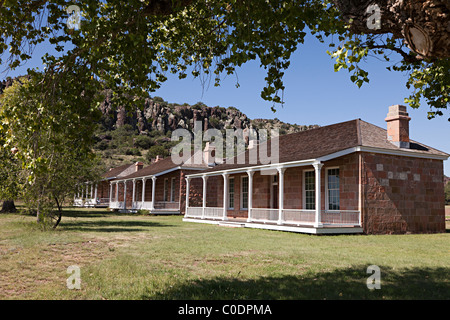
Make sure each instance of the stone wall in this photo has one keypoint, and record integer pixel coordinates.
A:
(402, 194)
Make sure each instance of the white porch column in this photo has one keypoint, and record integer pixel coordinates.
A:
(250, 194)
(95, 193)
(92, 189)
(225, 195)
(188, 180)
(144, 180)
(318, 221)
(133, 195)
(110, 193)
(125, 194)
(153, 192)
(116, 199)
(205, 179)
(281, 195)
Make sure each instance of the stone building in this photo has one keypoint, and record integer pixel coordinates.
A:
(349, 177)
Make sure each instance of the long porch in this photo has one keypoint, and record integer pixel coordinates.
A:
(306, 197)
(133, 194)
(91, 195)
(293, 220)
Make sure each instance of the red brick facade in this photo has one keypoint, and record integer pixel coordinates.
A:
(402, 194)
(395, 194)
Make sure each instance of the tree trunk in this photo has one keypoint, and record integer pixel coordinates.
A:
(8, 206)
(423, 24)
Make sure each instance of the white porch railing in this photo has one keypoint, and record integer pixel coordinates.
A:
(194, 212)
(342, 217)
(139, 205)
(78, 203)
(213, 212)
(264, 215)
(299, 216)
(167, 205)
(290, 216)
(116, 205)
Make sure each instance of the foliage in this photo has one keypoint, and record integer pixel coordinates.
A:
(50, 153)
(447, 193)
(157, 150)
(143, 142)
(429, 80)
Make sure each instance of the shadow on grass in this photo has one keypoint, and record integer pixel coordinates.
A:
(347, 284)
(111, 226)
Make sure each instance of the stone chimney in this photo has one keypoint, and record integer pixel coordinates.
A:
(398, 126)
(209, 154)
(138, 166)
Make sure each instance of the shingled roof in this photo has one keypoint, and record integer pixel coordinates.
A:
(164, 165)
(326, 140)
(115, 172)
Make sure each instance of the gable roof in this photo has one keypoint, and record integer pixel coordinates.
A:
(327, 140)
(161, 166)
(116, 172)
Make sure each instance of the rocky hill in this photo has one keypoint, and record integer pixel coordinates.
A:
(163, 117)
(142, 134)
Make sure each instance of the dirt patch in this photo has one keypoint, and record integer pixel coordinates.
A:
(25, 269)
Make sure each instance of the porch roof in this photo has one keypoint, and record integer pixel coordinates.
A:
(115, 172)
(328, 142)
(164, 166)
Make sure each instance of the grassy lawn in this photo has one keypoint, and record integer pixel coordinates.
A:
(161, 257)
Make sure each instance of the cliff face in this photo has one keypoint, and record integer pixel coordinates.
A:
(158, 115)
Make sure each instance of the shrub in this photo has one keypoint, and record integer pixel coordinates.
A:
(143, 142)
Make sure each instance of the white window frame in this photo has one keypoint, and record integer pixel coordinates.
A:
(241, 191)
(327, 201)
(304, 188)
(231, 196)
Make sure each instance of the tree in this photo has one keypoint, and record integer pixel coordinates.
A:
(416, 30)
(50, 155)
(447, 193)
(130, 46)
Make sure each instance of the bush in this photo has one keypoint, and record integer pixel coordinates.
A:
(447, 194)
(143, 142)
(156, 151)
(133, 152)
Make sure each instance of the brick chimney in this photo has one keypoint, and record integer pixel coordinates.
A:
(138, 166)
(398, 126)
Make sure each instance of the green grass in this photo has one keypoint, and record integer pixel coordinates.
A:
(160, 257)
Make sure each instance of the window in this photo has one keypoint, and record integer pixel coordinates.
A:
(244, 193)
(309, 189)
(166, 189)
(333, 189)
(231, 193)
(172, 190)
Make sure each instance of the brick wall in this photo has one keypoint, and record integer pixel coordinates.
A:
(402, 194)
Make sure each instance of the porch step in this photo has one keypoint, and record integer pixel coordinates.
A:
(231, 224)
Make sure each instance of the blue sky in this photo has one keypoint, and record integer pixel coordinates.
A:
(314, 94)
